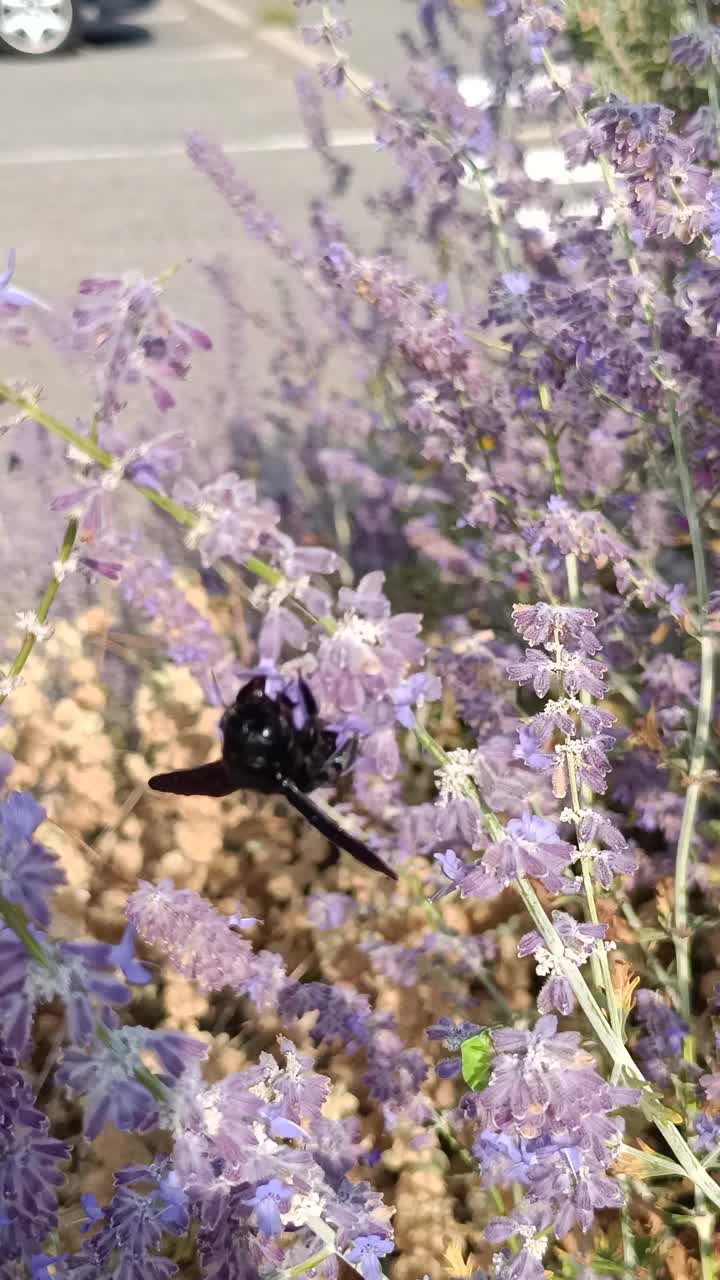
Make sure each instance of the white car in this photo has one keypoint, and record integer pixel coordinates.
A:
(36, 28)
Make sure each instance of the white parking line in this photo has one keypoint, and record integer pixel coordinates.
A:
(132, 58)
(33, 156)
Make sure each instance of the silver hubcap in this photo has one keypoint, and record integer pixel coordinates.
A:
(35, 26)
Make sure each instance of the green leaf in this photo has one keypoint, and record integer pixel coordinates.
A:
(476, 1055)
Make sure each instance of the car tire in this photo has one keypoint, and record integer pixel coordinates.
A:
(39, 28)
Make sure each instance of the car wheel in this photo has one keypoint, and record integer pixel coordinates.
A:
(36, 28)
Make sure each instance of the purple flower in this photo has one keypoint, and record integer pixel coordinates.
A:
(270, 1200)
(452, 1035)
(576, 671)
(200, 944)
(394, 1073)
(707, 1129)
(530, 847)
(187, 636)
(133, 339)
(695, 48)
(546, 1096)
(616, 858)
(370, 651)
(28, 872)
(29, 1169)
(659, 1052)
(543, 623)
(123, 957)
(133, 1226)
(528, 1223)
(417, 691)
(366, 1253)
(16, 297)
(230, 519)
(329, 910)
(579, 942)
(81, 974)
(528, 750)
(105, 1076)
(473, 879)
(590, 761)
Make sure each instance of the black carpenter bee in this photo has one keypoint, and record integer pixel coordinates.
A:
(265, 750)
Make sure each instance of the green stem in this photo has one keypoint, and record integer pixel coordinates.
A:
(628, 1242)
(704, 1224)
(599, 964)
(308, 1265)
(51, 590)
(702, 725)
(143, 1075)
(15, 919)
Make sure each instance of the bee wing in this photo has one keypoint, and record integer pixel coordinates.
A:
(205, 780)
(332, 830)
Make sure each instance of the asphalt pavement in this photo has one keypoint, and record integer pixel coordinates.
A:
(93, 167)
(95, 180)
(94, 175)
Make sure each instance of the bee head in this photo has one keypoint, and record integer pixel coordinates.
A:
(257, 733)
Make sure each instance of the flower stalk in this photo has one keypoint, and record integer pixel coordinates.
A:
(604, 1032)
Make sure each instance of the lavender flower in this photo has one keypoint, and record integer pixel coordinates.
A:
(659, 1051)
(29, 1169)
(81, 974)
(543, 623)
(134, 1224)
(366, 1252)
(695, 48)
(28, 872)
(134, 339)
(106, 1075)
(530, 847)
(656, 164)
(201, 945)
(231, 521)
(529, 1224)
(546, 1095)
(253, 1152)
(188, 637)
(369, 653)
(579, 943)
(329, 910)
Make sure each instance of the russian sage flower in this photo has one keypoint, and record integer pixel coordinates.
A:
(30, 1172)
(105, 1075)
(200, 943)
(579, 942)
(546, 1096)
(28, 872)
(80, 974)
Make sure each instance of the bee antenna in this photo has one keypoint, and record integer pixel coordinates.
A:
(218, 690)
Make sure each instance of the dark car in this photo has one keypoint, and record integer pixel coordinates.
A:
(36, 28)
